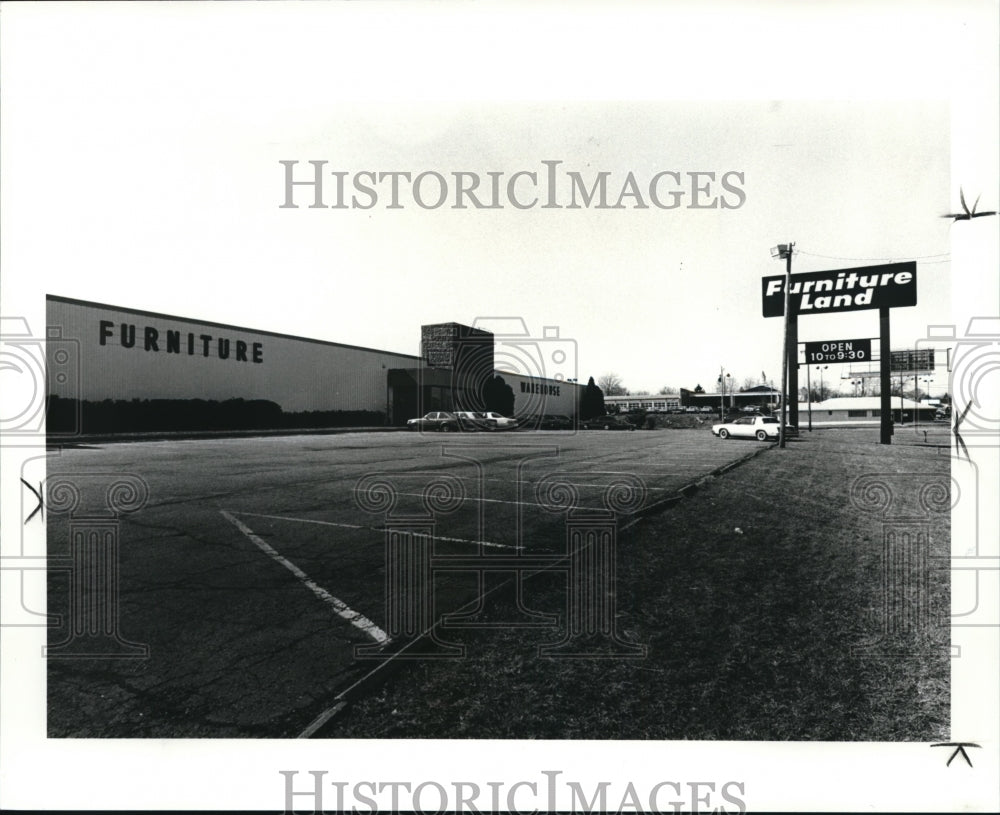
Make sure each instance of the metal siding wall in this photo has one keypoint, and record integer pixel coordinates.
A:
(297, 374)
(535, 404)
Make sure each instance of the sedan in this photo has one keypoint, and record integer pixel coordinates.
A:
(471, 419)
(761, 428)
(607, 423)
(498, 421)
(435, 420)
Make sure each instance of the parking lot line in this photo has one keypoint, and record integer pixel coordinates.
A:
(374, 529)
(340, 608)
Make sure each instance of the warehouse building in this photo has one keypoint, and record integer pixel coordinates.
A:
(864, 410)
(112, 368)
(659, 403)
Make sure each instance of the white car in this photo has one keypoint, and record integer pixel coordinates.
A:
(471, 419)
(494, 419)
(761, 428)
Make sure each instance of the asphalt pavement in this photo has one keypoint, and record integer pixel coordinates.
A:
(234, 587)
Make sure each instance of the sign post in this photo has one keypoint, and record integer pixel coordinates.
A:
(885, 383)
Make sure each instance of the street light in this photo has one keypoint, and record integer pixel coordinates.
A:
(722, 399)
(916, 393)
(809, 399)
(784, 251)
(822, 396)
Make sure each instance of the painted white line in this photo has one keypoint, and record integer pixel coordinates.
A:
(301, 520)
(479, 500)
(521, 503)
(479, 543)
(340, 608)
(340, 700)
(374, 529)
(321, 720)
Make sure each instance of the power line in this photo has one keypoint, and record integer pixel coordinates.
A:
(945, 255)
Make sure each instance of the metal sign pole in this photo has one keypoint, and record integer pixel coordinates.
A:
(786, 354)
(885, 381)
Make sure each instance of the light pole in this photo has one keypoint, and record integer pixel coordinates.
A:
(723, 376)
(901, 386)
(916, 410)
(822, 395)
(784, 250)
(809, 399)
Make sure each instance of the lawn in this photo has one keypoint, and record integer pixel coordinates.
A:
(765, 605)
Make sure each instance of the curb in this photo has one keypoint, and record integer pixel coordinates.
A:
(689, 489)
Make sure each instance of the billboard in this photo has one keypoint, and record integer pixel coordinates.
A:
(886, 286)
(911, 360)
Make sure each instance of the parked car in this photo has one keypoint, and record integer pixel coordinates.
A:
(761, 428)
(553, 421)
(607, 423)
(471, 419)
(435, 420)
(496, 421)
(942, 413)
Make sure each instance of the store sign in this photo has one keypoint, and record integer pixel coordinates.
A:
(186, 343)
(839, 351)
(537, 387)
(887, 286)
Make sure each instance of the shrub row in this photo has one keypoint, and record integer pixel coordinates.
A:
(68, 416)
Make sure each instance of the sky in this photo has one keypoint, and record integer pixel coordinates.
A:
(161, 184)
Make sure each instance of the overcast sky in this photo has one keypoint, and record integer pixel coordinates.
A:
(154, 165)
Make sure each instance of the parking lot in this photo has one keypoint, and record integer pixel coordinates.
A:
(255, 566)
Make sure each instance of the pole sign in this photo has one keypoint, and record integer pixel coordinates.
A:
(839, 351)
(909, 361)
(887, 286)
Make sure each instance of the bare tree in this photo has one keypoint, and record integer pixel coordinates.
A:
(612, 385)
(669, 390)
(749, 382)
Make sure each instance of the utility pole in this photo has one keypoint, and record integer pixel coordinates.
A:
(784, 250)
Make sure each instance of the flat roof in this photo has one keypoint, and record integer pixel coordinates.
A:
(158, 315)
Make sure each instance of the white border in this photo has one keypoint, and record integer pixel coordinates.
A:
(591, 51)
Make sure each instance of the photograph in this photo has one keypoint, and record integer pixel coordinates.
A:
(468, 407)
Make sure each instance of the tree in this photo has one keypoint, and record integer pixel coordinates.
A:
(591, 401)
(611, 385)
(669, 390)
(499, 396)
(748, 383)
